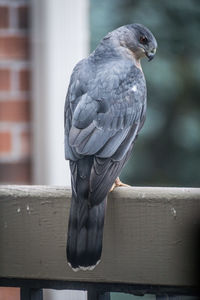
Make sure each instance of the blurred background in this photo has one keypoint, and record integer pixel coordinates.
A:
(41, 41)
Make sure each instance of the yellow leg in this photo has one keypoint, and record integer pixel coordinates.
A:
(118, 183)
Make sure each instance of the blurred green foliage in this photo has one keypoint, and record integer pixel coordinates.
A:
(168, 149)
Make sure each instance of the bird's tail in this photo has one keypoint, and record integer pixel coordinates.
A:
(86, 222)
(84, 244)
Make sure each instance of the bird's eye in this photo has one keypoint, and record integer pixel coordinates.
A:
(143, 40)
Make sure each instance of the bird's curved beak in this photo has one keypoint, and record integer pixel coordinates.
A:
(150, 54)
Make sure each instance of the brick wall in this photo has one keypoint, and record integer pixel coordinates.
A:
(14, 92)
(14, 100)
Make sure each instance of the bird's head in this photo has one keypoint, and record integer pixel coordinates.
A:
(139, 40)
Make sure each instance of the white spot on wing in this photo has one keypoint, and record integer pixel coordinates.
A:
(134, 88)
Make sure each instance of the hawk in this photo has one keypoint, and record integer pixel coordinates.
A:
(105, 109)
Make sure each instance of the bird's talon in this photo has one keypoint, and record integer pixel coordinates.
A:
(118, 183)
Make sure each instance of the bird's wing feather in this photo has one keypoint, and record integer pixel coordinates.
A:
(100, 119)
(75, 91)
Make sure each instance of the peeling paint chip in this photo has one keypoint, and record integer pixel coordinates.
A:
(173, 212)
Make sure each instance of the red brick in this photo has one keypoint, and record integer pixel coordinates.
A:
(23, 17)
(4, 17)
(4, 80)
(9, 293)
(14, 47)
(24, 80)
(15, 111)
(5, 141)
(15, 173)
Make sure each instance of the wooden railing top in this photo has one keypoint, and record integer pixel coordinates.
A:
(150, 236)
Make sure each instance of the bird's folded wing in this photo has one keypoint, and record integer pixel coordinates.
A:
(101, 133)
(99, 115)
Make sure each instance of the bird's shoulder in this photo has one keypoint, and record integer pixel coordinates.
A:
(100, 89)
(114, 78)
(107, 78)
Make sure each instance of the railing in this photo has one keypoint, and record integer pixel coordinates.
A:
(151, 242)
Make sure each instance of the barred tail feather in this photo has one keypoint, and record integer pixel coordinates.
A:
(85, 234)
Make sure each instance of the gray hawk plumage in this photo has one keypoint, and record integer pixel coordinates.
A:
(104, 111)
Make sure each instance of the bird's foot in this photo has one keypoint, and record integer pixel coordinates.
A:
(118, 183)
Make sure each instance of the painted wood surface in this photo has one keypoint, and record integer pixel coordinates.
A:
(151, 236)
